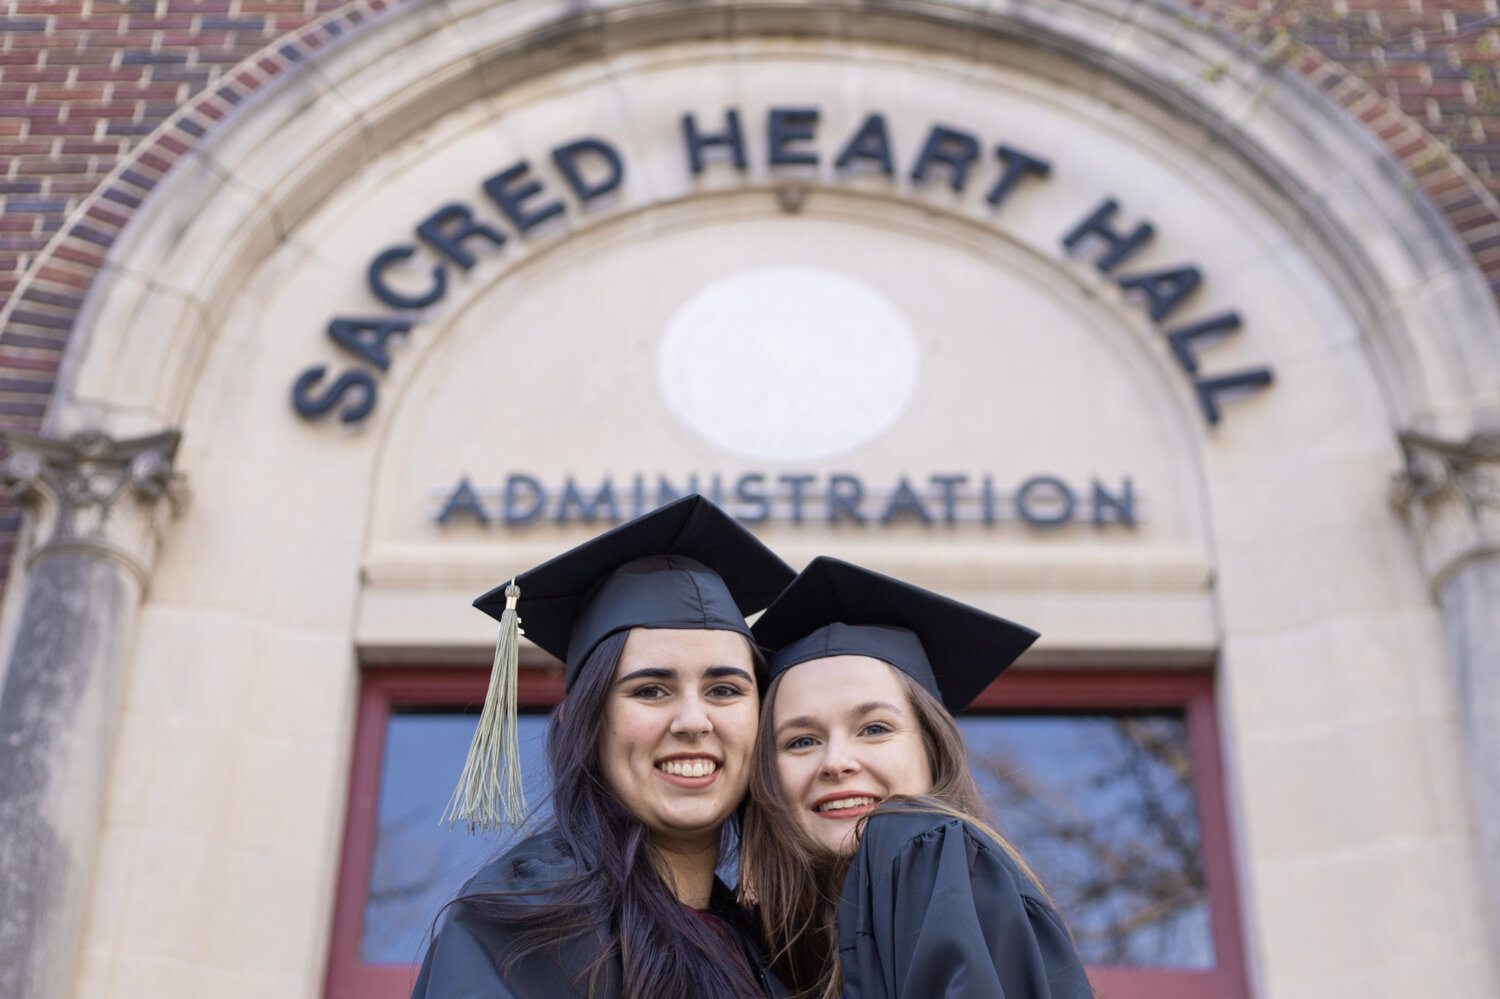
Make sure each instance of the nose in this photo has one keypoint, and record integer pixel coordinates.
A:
(839, 759)
(691, 719)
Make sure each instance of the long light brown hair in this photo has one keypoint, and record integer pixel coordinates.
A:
(795, 881)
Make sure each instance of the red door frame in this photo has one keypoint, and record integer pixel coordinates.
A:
(1027, 690)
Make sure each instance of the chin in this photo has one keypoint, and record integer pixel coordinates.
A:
(841, 842)
(699, 824)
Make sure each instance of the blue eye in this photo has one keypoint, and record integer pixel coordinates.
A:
(800, 742)
(876, 728)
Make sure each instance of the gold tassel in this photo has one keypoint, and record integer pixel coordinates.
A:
(489, 793)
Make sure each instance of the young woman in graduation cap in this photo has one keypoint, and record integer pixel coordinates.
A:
(649, 756)
(867, 847)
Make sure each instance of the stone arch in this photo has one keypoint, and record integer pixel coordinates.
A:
(230, 196)
(160, 303)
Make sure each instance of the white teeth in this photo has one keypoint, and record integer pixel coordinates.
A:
(688, 768)
(838, 803)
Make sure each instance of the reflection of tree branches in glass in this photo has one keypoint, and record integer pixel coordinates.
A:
(404, 875)
(1112, 831)
(417, 863)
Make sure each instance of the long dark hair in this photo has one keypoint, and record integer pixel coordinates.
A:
(795, 881)
(665, 950)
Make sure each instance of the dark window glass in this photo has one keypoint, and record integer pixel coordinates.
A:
(1102, 807)
(419, 863)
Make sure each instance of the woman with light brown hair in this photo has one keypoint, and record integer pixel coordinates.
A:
(867, 846)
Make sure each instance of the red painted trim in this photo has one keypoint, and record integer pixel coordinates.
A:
(1159, 983)
(354, 869)
(1039, 690)
(1072, 690)
(1218, 854)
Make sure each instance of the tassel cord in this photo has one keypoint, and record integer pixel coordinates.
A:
(489, 792)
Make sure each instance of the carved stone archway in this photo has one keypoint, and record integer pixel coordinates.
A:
(163, 298)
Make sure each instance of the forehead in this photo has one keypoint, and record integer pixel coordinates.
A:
(833, 686)
(684, 648)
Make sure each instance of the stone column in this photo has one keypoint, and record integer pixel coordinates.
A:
(1450, 497)
(97, 512)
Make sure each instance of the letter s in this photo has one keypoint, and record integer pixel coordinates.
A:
(752, 497)
(353, 380)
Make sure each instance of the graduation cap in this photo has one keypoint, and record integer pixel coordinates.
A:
(834, 608)
(685, 565)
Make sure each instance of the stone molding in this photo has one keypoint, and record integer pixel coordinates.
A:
(94, 494)
(1449, 495)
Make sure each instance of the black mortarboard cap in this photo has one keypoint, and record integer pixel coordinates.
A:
(834, 608)
(685, 565)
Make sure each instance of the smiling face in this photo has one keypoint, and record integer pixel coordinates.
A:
(679, 726)
(846, 739)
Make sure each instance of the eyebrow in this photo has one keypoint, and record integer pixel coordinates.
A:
(869, 706)
(809, 721)
(648, 672)
(663, 673)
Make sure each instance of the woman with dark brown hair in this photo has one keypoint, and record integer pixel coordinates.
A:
(867, 846)
(649, 755)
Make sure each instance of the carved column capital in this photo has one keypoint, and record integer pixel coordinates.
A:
(94, 494)
(1449, 495)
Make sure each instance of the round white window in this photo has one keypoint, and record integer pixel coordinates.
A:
(788, 363)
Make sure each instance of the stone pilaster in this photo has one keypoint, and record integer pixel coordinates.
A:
(97, 508)
(1450, 497)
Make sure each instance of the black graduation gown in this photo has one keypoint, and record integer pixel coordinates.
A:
(461, 961)
(932, 908)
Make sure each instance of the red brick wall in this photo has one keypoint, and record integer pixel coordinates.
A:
(87, 86)
(1423, 76)
(99, 98)
(81, 84)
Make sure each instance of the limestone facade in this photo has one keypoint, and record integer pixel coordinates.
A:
(607, 340)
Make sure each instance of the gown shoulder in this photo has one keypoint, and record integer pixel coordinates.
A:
(466, 959)
(933, 906)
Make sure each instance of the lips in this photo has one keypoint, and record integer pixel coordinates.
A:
(845, 805)
(689, 766)
(838, 804)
